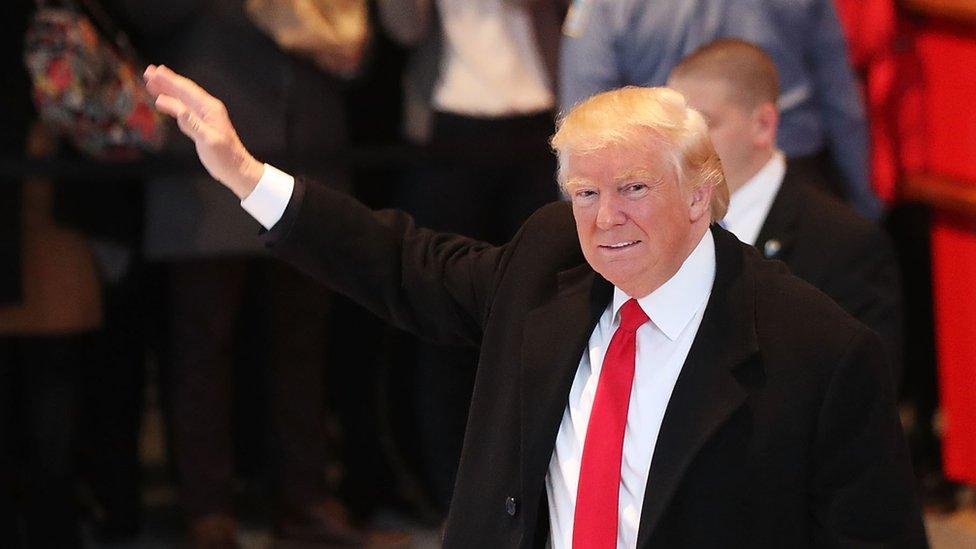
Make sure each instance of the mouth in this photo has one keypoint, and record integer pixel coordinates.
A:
(623, 245)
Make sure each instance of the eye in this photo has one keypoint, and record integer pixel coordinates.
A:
(635, 190)
(583, 194)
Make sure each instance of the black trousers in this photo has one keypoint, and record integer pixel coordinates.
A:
(112, 399)
(39, 392)
(209, 318)
(486, 177)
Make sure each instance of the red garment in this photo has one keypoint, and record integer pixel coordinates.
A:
(920, 83)
(598, 494)
(948, 55)
(953, 275)
(883, 56)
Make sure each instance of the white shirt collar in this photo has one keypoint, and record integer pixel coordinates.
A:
(750, 204)
(674, 303)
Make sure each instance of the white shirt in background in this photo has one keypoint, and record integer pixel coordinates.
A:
(750, 204)
(491, 65)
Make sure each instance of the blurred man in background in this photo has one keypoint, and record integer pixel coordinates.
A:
(779, 205)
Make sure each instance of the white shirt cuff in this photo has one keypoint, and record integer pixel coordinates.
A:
(268, 200)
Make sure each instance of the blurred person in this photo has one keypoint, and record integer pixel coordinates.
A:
(767, 409)
(108, 209)
(479, 92)
(46, 339)
(336, 36)
(612, 43)
(779, 205)
(883, 47)
(829, 128)
(49, 311)
(206, 245)
(379, 448)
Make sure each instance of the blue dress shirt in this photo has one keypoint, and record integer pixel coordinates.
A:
(614, 43)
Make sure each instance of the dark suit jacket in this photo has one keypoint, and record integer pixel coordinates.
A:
(781, 430)
(843, 254)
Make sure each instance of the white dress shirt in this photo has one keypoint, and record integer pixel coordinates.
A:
(268, 200)
(491, 65)
(750, 204)
(675, 310)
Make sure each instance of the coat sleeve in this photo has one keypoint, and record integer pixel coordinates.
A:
(436, 285)
(862, 485)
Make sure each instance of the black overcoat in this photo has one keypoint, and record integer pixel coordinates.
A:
(781, 430)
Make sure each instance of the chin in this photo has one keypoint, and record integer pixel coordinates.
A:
(618, 279)
(632, 280)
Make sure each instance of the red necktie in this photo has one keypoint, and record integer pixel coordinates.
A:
(595, 521)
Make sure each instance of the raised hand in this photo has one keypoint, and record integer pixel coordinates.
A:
(204, 119)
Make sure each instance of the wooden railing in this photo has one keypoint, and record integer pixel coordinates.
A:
(941, 193)
(959, 10)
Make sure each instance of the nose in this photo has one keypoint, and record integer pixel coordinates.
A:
(609, 213)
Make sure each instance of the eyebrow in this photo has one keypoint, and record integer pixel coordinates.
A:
(636, 174)
(576, 181)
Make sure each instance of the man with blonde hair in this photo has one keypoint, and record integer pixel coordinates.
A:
(661, 114)
(778, 205)
(651, 382)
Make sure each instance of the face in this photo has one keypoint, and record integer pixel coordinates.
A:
(730, 126)
(635, 224)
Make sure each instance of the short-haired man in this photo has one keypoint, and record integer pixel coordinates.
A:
(647, 382)
(778, 205)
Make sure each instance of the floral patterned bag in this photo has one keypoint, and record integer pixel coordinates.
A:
(86, 88)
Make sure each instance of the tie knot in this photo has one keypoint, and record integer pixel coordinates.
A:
(632, 316)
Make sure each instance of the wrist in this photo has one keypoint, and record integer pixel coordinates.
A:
(247, 178)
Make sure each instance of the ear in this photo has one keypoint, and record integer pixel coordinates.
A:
(700, 202)
(765, 118)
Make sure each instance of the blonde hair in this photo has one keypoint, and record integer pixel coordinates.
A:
(633, 115)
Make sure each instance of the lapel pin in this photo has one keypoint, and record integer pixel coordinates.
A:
(771, 247)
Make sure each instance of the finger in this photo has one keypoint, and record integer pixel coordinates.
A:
(190, 124)
(149, 78)
(196, 128)
(170, 105)
(163, 81)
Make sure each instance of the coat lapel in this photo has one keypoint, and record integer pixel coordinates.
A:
(708, 390)
(555, 336)
(776, 238)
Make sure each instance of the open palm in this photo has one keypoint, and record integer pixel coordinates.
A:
(204, 119)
